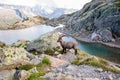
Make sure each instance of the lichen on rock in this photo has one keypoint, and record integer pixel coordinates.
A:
(11, 57)
(46, 43)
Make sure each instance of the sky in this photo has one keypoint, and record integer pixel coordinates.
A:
(75, 4)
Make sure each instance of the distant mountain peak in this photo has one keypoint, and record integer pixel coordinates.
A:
(42, 9)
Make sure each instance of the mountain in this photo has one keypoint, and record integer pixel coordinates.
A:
(22, 11)
(36, 20)
(8, 17)
(44, 10)
(98, 20)
(50, 12)
(17, 14)
(16, 19)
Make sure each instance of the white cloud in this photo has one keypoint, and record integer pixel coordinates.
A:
(19, 2)
(75, 4)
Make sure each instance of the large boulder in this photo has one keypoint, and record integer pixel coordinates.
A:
(11, 57)
(8, 17)
(14, 74)
(7, 74)
(47, 42)
(104, 35)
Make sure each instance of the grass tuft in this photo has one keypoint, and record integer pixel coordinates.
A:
(46, 61)
(49, 52)
(35, 76)
(26, 67)
(41, 69)
(94, 61)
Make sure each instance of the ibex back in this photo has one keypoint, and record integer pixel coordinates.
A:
(67, 44)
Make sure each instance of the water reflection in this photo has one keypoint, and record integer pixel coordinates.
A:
(11, 36)
(100, 50)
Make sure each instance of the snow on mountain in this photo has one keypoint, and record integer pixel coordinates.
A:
(45, 8)
(45, 11)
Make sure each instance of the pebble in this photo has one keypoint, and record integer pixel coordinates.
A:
(90, 79)
(59, 69)
(99, 70)
(34, 70)
(82, 72)
(78, 74)
(110, 77)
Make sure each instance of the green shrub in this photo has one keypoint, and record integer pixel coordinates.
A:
(26, 67)
(49, 52)
(40, 68)
(35, 76)
(46, 61)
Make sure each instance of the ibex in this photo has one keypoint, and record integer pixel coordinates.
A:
(67, 44)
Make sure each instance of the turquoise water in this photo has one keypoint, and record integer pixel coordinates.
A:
(100, 50)
(111, 54)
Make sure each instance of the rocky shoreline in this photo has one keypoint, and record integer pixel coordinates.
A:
(115, 44)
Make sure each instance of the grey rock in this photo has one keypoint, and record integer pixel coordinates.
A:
(118, 78)
(99, 70)
(34, 70)
(46, 42)
(110, 77)
(99, 18)
(90, 79)
(38, 59)
(12, 57)
(104, 35)
(7, 74)
(78, 74)
(21, 75)
(30, 56)
(59, 69)
(69, 56)
(82, 72)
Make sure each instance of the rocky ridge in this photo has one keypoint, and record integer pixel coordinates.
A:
(36, 20)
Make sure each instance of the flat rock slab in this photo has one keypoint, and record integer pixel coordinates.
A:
(7, 74)
(69, 56)
(55, 62)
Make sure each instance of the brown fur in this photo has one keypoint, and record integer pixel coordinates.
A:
(67, 44)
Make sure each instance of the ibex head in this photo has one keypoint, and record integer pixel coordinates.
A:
(60, 37)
